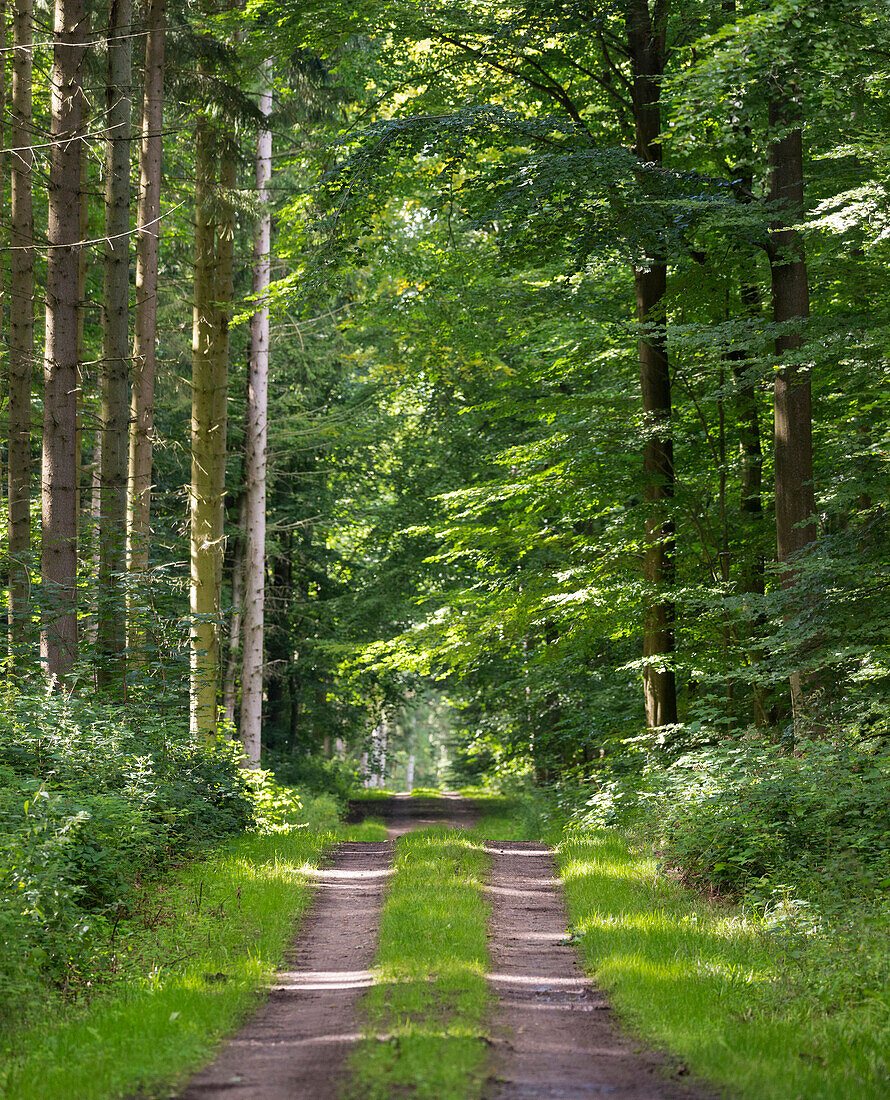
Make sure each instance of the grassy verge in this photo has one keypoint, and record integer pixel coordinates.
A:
(714, 987)
(185, 972)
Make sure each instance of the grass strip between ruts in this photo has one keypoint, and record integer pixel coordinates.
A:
(187, 971)
(707, 983)
(425, 1018)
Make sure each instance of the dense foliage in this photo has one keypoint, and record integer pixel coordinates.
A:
(93, 800)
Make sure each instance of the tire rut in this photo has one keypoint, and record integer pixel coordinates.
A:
(300, 1039)
(553, 1034)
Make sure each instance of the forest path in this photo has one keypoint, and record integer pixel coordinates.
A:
(299, 1041)
(553, 1035)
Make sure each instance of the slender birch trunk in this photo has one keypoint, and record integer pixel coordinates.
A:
(115, 351)
(255, 454)
(148, 214)
(21, 330)
(58, 643)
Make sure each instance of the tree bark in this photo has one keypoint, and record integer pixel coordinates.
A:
(58, 469)
(646, 44)
(115, 350)
(230, 679)
(795, 498)
(21, 331)
(204, 502)
(148, 214)
(224, 227)
(255, 454)
(793, 440)
(752, 563)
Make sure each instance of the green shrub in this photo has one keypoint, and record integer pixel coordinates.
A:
(751, 818)
(88, 804)
(315, 774)
(747, 818)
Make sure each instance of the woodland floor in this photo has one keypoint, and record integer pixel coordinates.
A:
(552, 1033)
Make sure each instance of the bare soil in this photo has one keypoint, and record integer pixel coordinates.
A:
(553, 1034)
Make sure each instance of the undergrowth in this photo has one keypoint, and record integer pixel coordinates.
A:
(802, 843)
(95, 803)
(732, 1003)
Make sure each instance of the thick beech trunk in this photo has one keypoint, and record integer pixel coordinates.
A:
(148, 214)
(115, 351)
(646, 43)
(795, 498)
(58, 472)
(255, 459)
(21, 329)
(751, 563)
(793, 440)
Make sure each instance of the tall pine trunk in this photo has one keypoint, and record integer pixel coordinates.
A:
(58, 642)
(214, 261)
(646, 44)
(21, 330)
(204, 505)
(145, 327)
(222, 308)
(230, 677)
(793, 439)
(115, 351)
(255, 456)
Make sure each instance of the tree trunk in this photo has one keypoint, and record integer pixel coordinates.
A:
(646, 43)
(793, 441)
(148, 214)
(255, 455)
(204, 503)
(58, 471)
(21, 332)
(752, 563)
(230, 679)
(115, 352)
(4, 88)
(222, 304)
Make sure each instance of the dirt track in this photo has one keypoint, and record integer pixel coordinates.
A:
(553, 1035)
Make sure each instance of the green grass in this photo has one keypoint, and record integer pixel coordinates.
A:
(735, 1004)
(425, 1020)
(179, 977)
